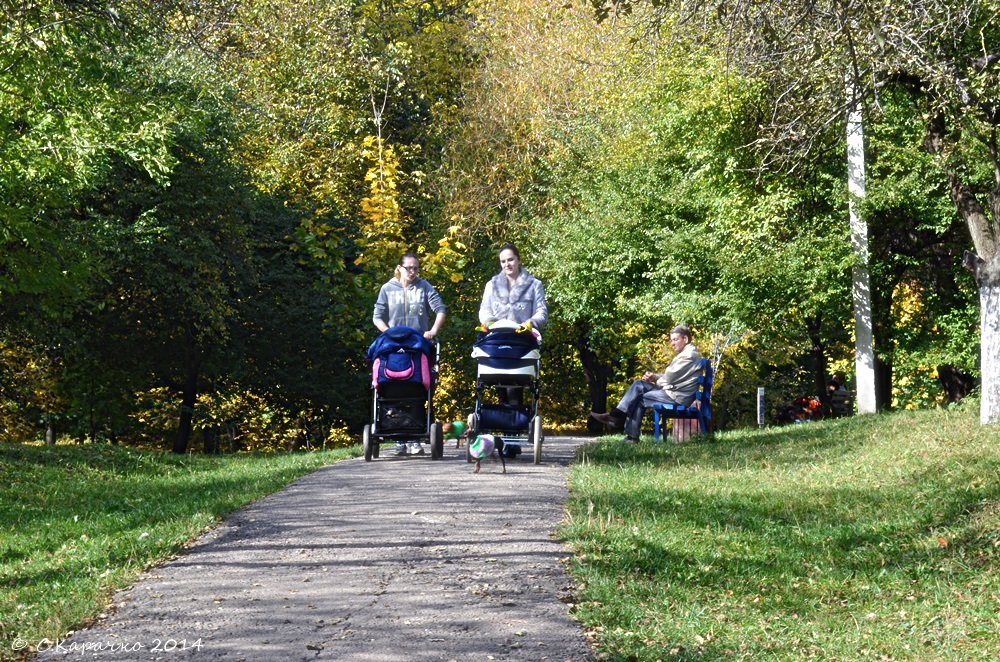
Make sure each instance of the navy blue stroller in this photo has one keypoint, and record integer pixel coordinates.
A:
(404, 374)
(508, 359)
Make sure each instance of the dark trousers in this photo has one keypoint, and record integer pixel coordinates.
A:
(639, 396)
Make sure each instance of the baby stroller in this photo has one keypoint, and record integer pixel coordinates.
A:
(508, 356)
(404, 374)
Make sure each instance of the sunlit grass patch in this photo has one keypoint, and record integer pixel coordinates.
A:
(864, 538)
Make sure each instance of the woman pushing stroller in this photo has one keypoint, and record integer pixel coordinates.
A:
(513, 294)
(517, 296)
(510, 360)
(408, 300)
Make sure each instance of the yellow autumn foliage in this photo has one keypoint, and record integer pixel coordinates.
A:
(240, 421)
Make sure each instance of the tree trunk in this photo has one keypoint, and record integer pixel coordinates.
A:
(988, 279)
(189, 393)
(883, 336)
(864, 351)
(211, 439)
(985, 266)
(989, 300)
(883, 383)
(956, 382)
(92, 421)
(814, 326)
(598, 375)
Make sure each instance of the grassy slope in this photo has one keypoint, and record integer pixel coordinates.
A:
(856, 539)
(873, 538)
(78, 522)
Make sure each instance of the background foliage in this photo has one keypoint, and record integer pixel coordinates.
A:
(198, 202)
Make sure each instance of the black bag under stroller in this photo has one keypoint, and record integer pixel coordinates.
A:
(404, 373)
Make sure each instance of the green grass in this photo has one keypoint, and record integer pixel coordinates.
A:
(871, 538)
(78, 522)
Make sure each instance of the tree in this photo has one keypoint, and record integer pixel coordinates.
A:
(72, 101)
(864, 361)
(925, 305)
(343, 107)
(243, 134)
(173, 273)
(100, 126)
(939, 51)
(616, 151)
(283, 349)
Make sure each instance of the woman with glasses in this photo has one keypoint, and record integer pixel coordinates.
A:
(408, 300)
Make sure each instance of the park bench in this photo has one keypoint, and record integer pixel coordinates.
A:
(690, 420)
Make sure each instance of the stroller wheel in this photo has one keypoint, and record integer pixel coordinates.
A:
(437, 441)
(367, 442)
(536, 438)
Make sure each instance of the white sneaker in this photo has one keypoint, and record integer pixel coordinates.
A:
(415, 448)
(400, 448)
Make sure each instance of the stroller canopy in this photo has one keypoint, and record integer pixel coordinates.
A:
(398, 338)
(503, 343)
(401, 355)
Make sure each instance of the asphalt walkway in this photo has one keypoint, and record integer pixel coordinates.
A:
(396, 559)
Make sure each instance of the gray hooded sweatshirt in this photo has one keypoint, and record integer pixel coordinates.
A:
(415, 306)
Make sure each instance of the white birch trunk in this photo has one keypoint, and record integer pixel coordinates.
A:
(864, 351)
(989, 327)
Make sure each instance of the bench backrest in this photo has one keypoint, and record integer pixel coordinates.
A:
(705, 383)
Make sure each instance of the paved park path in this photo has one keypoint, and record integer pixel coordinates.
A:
(396, 559)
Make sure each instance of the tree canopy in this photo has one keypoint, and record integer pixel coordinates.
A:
(198, 201)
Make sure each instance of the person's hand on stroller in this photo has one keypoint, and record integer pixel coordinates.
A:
(431, 333)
